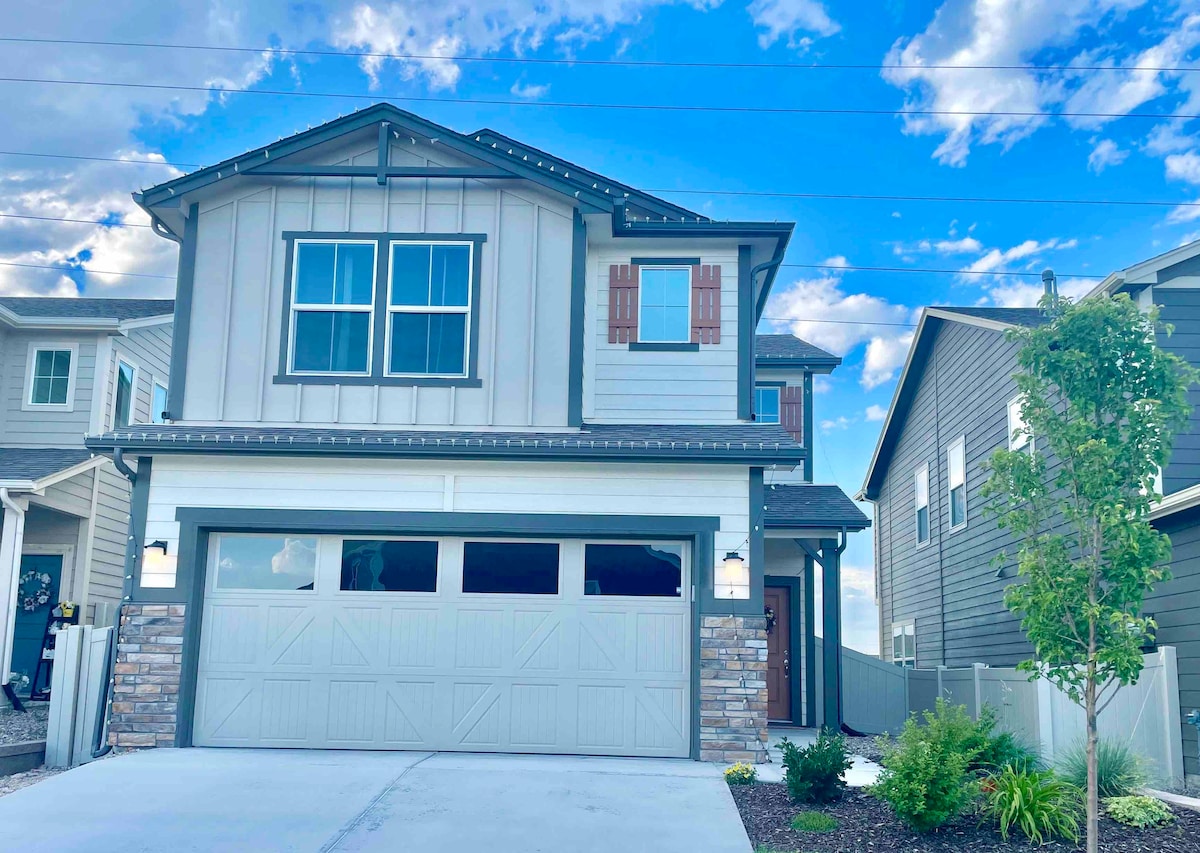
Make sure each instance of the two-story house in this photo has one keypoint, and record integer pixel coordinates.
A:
(461, 453)
(940, 593)
(68, 367)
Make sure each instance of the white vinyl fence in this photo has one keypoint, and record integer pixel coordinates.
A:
(80, 658)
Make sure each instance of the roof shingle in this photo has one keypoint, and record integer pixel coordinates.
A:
(86, 308)
(811, 506)
(789, 348)
(34, 463)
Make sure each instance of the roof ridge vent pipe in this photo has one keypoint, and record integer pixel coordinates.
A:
(10, 602)
(1050, 288)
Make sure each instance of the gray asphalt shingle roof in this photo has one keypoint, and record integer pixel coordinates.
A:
(790, 348)
(86, 307)
(742, 443)
(1012, 316)
(811, 506)
(33, 463)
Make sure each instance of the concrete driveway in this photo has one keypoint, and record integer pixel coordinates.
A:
(307, 800)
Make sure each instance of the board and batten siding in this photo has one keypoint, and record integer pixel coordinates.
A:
(1180, 307)
(949, 586)
(449, 486)
(21, 427)
(524, 306)
(626, 386)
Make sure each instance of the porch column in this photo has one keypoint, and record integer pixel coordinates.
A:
(12, 539)
(810, 644)
(831, 633)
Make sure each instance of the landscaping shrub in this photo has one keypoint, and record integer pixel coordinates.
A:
(1006, 750)
(741, 774)
(924, 779)
(1036, 803)
(814, 773)
(1142, 812)
(1118, 769)
(814, 822)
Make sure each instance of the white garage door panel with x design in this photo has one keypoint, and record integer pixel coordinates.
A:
(332, 645)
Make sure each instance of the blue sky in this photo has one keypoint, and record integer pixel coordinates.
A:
(1052, 156)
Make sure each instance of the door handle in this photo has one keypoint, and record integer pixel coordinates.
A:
(787, 664)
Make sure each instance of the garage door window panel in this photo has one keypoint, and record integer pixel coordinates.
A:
(389, 565)
(275, 562)
(511, 568)
(633, 570)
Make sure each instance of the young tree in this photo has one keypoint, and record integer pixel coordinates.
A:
(1101, 402)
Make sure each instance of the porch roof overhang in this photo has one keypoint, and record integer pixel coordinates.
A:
(1176, 502)
(741, 444)
(32, 469)
(810, 511)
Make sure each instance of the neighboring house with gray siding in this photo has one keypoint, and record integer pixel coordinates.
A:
(470, 448)
(68, 367)
(939, 591)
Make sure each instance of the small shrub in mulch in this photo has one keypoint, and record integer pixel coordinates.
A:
(867, 824)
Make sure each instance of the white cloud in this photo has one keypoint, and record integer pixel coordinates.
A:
(840, 422)
(1183, 167)
(860, 615)
(995, 259)
(1026, 294)
(1106, 153)
(788, 19)
(875, 413)
(1017, 33)
(530, 90)
(895, 214)
(883, 359)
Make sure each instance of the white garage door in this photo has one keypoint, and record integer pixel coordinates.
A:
(445, 644)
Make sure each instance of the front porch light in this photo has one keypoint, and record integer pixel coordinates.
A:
(158, 568)
(733, 578)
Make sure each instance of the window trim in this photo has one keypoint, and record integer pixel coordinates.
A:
(777, 387)
(467, 312)
(376, 359)
(133, 391)
(904, 625)
(35, 347)
(155, 384)
(687, 338)
(961, 444)
(1028, 443)
(922, 469)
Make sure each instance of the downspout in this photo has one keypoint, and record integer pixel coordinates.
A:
(101, 749)
(10, 623)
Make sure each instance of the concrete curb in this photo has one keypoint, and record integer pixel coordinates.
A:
(1175, 799)
(19, 757)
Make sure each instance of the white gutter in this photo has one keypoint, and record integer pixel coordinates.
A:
(1176, 502)
(10, 548)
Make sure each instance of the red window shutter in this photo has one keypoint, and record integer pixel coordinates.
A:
(622, 303)
(706, 304)
(791, 411)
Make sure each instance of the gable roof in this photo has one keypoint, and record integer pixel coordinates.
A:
(790, 351)
(42, 312)
(993, 319)
(29, 467)
(1182, 260)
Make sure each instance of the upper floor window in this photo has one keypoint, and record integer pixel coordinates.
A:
(665, 305)
(921, 482)
(126, 389)
(956, 470)
(766, 404)
(381, 309)
(1019, 436)
(50, 382)
(158, 405)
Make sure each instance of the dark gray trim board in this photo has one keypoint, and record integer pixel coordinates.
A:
(663, 347)
(808, 425)
(796, 629)
(377, 374)
(139, 504)
(650, 262)
(578, 332)
(745, 342)
(181, 329)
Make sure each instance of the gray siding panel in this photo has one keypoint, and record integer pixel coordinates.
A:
(1181, 309)
(112, 528)
(41, 428)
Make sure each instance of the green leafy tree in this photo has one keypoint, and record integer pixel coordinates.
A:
(1101, 402)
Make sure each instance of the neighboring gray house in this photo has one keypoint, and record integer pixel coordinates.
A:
(463, 453)
(940, 596)
(68, 367)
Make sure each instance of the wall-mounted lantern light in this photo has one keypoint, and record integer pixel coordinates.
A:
(733, 577)
(158, 567)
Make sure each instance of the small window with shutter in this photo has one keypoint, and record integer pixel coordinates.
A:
(664, 303)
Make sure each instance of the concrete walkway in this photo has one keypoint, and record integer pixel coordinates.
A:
(861, 774)
(308, 800)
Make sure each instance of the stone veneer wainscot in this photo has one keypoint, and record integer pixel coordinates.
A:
(733, 688)
(145, 701)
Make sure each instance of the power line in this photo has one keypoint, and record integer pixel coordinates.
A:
(78, 221)
(836, 322)
(746, 193)
(84, 270)
(627, 63)
(506, 102)
(932, 270)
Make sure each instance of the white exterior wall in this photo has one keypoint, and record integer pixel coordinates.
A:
(393, 485)
(524, 324)
(660, 387)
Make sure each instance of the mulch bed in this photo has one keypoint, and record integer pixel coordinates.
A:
(866, 824)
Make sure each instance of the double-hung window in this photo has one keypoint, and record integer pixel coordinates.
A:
(429, 309)
(125, 396)
(665, 305)
(1019, 436)
(921, 482)
(51, 378)
(904, 644)
(333, 298)
(766, 404)
(956, 470)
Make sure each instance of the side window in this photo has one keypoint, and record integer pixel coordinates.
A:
(956, 470)
(921, 479)
(50, 378)
(1019, 436)
(904, 643)
(158, 403)
(333, 295)
(766, 404)
(124, 394)
(664, 307)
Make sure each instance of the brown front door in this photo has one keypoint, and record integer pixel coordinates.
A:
(779, 651)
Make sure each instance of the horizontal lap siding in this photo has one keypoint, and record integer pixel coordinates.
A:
(624, 386)
(523, 311)
(352, 484)
(112, 531)
(1181, 309)
(150, 349)
(44, 428)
